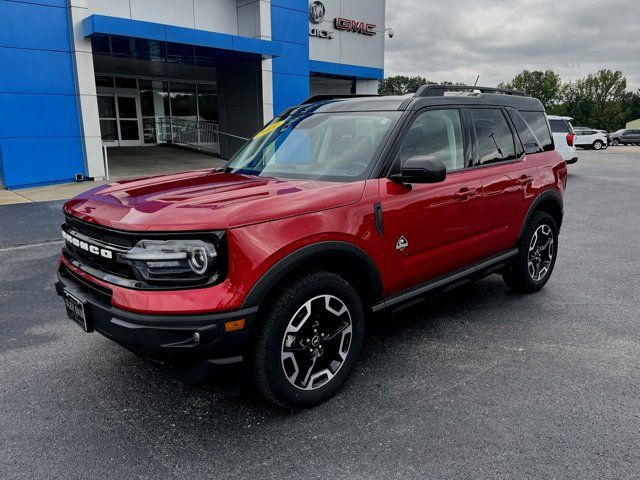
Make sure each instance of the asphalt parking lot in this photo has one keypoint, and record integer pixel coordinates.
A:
(481, 383)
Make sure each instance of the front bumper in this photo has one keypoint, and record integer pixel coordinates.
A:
(168, 339)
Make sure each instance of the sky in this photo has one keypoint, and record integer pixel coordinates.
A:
(455, 40)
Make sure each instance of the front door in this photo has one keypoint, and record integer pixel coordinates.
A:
(120, 123)
(432, 229)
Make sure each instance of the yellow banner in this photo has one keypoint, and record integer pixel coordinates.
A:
(268, 129)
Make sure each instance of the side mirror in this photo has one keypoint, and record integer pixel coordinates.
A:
(421, 169)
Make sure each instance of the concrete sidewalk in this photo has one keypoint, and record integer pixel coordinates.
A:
(128, 162)
(44, 194)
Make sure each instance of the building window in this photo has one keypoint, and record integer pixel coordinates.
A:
(207, 103)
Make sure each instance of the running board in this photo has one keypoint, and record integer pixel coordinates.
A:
(450, 281)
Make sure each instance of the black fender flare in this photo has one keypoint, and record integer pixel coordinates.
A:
(311, 253)
(546, 196)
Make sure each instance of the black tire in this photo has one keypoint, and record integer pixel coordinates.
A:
(519, 276)
(615, 142)
(269, 364)
(597, 145)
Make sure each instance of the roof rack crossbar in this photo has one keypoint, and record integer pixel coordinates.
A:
(323, 98)
(440, 90)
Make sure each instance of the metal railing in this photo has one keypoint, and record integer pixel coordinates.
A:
(203, 136)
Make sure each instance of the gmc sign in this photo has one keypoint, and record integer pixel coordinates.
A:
(348, 25)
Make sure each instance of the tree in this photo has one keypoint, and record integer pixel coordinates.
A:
(545, 86)
(598, 101)
(401, 85)
(632, 106)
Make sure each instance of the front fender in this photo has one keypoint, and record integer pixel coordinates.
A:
(315, 254)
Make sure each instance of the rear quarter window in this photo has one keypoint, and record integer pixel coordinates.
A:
(538, 123)
(527, 137)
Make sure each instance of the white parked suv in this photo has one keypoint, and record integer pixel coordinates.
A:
(564, 137)
(590, 138)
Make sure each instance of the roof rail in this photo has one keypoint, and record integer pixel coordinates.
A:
(321, 98)
(440, 90)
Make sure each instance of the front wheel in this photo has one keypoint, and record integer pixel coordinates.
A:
(309, 340)
(615, 142)
(597, 145)
(537, 255)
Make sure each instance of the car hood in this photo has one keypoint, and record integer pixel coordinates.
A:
(206, 200)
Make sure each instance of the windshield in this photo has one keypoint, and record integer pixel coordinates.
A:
(319, 146)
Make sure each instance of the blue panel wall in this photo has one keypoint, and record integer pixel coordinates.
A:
(344, 70)
(289, 26)
(40, 134)
(169, 33)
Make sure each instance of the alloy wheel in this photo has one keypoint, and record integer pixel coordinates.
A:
(541, 251)
(316, 342)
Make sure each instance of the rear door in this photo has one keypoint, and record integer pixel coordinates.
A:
(432, 229)
(582, 137)
(629, 136)
(507, 178)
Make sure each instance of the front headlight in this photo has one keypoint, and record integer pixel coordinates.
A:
(171, 261)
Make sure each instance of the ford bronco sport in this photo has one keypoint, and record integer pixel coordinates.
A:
(340, 207)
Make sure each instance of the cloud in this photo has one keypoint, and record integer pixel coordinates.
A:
(456, 40)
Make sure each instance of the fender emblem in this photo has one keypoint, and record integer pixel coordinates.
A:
(402, 244)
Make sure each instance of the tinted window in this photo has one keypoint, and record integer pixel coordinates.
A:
(527, 137)
(559, 126)
(495, 140)
(436, 133)
(538, 123)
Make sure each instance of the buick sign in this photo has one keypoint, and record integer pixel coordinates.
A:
(317, 12)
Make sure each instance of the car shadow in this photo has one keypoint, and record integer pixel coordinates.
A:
(104, 397)
(386, 332)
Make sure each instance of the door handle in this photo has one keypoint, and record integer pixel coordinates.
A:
(465, 193)
(524, 180)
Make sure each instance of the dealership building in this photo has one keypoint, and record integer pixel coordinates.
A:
(77, 76)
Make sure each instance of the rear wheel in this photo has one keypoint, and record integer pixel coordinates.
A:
(309, 340)
(597, 145)
(537, 255)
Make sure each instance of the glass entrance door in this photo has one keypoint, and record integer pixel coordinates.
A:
(120, 123)
(128, 119)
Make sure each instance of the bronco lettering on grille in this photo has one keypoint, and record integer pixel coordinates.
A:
(87, 247)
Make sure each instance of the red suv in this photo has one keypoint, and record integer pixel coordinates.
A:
(339, 208)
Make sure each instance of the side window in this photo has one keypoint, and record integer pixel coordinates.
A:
(495, 140)
(538, 123)
(436, 133)
(527, 137)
